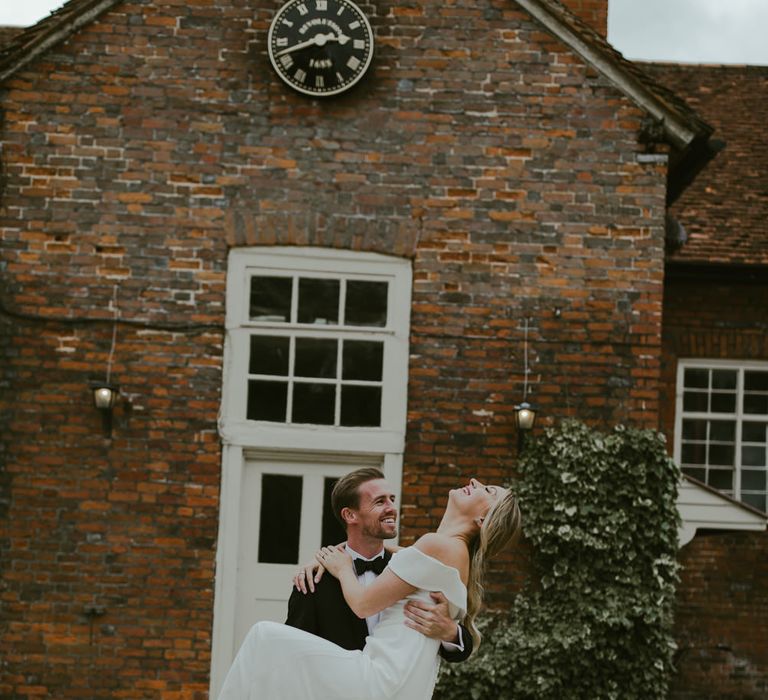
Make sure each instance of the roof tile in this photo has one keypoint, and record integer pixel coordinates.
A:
(725, 210)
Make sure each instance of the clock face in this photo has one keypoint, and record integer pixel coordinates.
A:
(320, 47)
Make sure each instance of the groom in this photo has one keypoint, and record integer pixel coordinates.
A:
(365, 505)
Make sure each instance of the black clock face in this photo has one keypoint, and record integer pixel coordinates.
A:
(320, 47)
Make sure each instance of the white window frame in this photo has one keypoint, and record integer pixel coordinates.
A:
(244, 440)
(234, 427)
(738, 415)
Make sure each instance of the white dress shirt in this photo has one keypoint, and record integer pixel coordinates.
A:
(366, 578)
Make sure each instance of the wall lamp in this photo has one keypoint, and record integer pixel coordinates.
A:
(104, 392)
(525, 414)
(104, 397)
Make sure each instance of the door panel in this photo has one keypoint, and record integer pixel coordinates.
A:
(282, 524)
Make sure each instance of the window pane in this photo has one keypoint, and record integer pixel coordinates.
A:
(696, 378)
(318, 301)
(695, 401)
(315, 357)
(363, 360)
(753, 480)
(727, 391)
(700, 474)
(756, 500)
(361, 405)
(753, 456)
(722, 430)
(267, 400)
(332, 532)
(694, 453)
(269, 355)
(313, 403)
(724, 379)
(756, 404)
(270, 299)
(721, 454)
(721, 479)
(694, 429)
(280, 519)
(755, 381)
(366, 304)
(753, 432)
(723, 403)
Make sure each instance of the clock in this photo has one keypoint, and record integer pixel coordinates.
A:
(320, 47)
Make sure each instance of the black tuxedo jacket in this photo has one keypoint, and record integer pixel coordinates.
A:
(326, 614)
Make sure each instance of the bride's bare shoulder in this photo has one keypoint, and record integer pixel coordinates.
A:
(448, 550)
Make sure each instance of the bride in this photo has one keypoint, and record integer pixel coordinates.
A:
(278, 662)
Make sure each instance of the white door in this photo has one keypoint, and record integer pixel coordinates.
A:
(285, 516)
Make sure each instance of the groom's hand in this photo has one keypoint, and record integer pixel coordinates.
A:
(432, 620)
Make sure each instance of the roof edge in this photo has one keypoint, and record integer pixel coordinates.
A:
(22, 53)
(715, 492)
(678, 130)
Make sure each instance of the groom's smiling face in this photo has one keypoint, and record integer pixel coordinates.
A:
(377, 512)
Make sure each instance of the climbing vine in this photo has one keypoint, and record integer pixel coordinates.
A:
(595, 623)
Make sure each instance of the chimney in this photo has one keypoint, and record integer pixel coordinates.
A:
(593, 12)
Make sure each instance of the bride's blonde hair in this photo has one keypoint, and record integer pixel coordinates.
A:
(501, 524)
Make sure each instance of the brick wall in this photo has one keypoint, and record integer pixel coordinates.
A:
(122, 527)
(136, 153)
(721, 625)
(711, 317)
(593, 12)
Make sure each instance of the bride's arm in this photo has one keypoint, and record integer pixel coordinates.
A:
(388, 588)
(368, 600)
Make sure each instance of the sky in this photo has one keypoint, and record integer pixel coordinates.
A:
(684, 31)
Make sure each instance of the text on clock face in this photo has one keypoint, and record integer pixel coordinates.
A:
(324, 21)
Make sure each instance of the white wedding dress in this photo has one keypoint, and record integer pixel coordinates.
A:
(279, 662)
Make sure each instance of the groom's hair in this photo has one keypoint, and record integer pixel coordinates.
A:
(346, 491)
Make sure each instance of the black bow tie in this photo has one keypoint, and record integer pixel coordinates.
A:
(376, 565)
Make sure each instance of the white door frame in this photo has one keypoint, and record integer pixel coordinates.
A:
(234, 459)
(244, 440)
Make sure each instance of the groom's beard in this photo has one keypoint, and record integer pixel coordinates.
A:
(380, 531)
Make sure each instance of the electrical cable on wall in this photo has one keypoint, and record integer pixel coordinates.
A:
(6, 310)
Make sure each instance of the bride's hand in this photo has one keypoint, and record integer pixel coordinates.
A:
(334, 559)
(311, 573)
(307, 576)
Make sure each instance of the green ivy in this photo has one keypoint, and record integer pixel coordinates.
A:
(595, 623)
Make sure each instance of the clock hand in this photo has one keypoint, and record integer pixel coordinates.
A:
(297, 47)
(317, 40)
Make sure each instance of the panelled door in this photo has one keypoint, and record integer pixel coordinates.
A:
(285, 516)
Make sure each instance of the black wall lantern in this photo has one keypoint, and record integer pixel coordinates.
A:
(104, 398)
(525, 416)
(104, 394)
